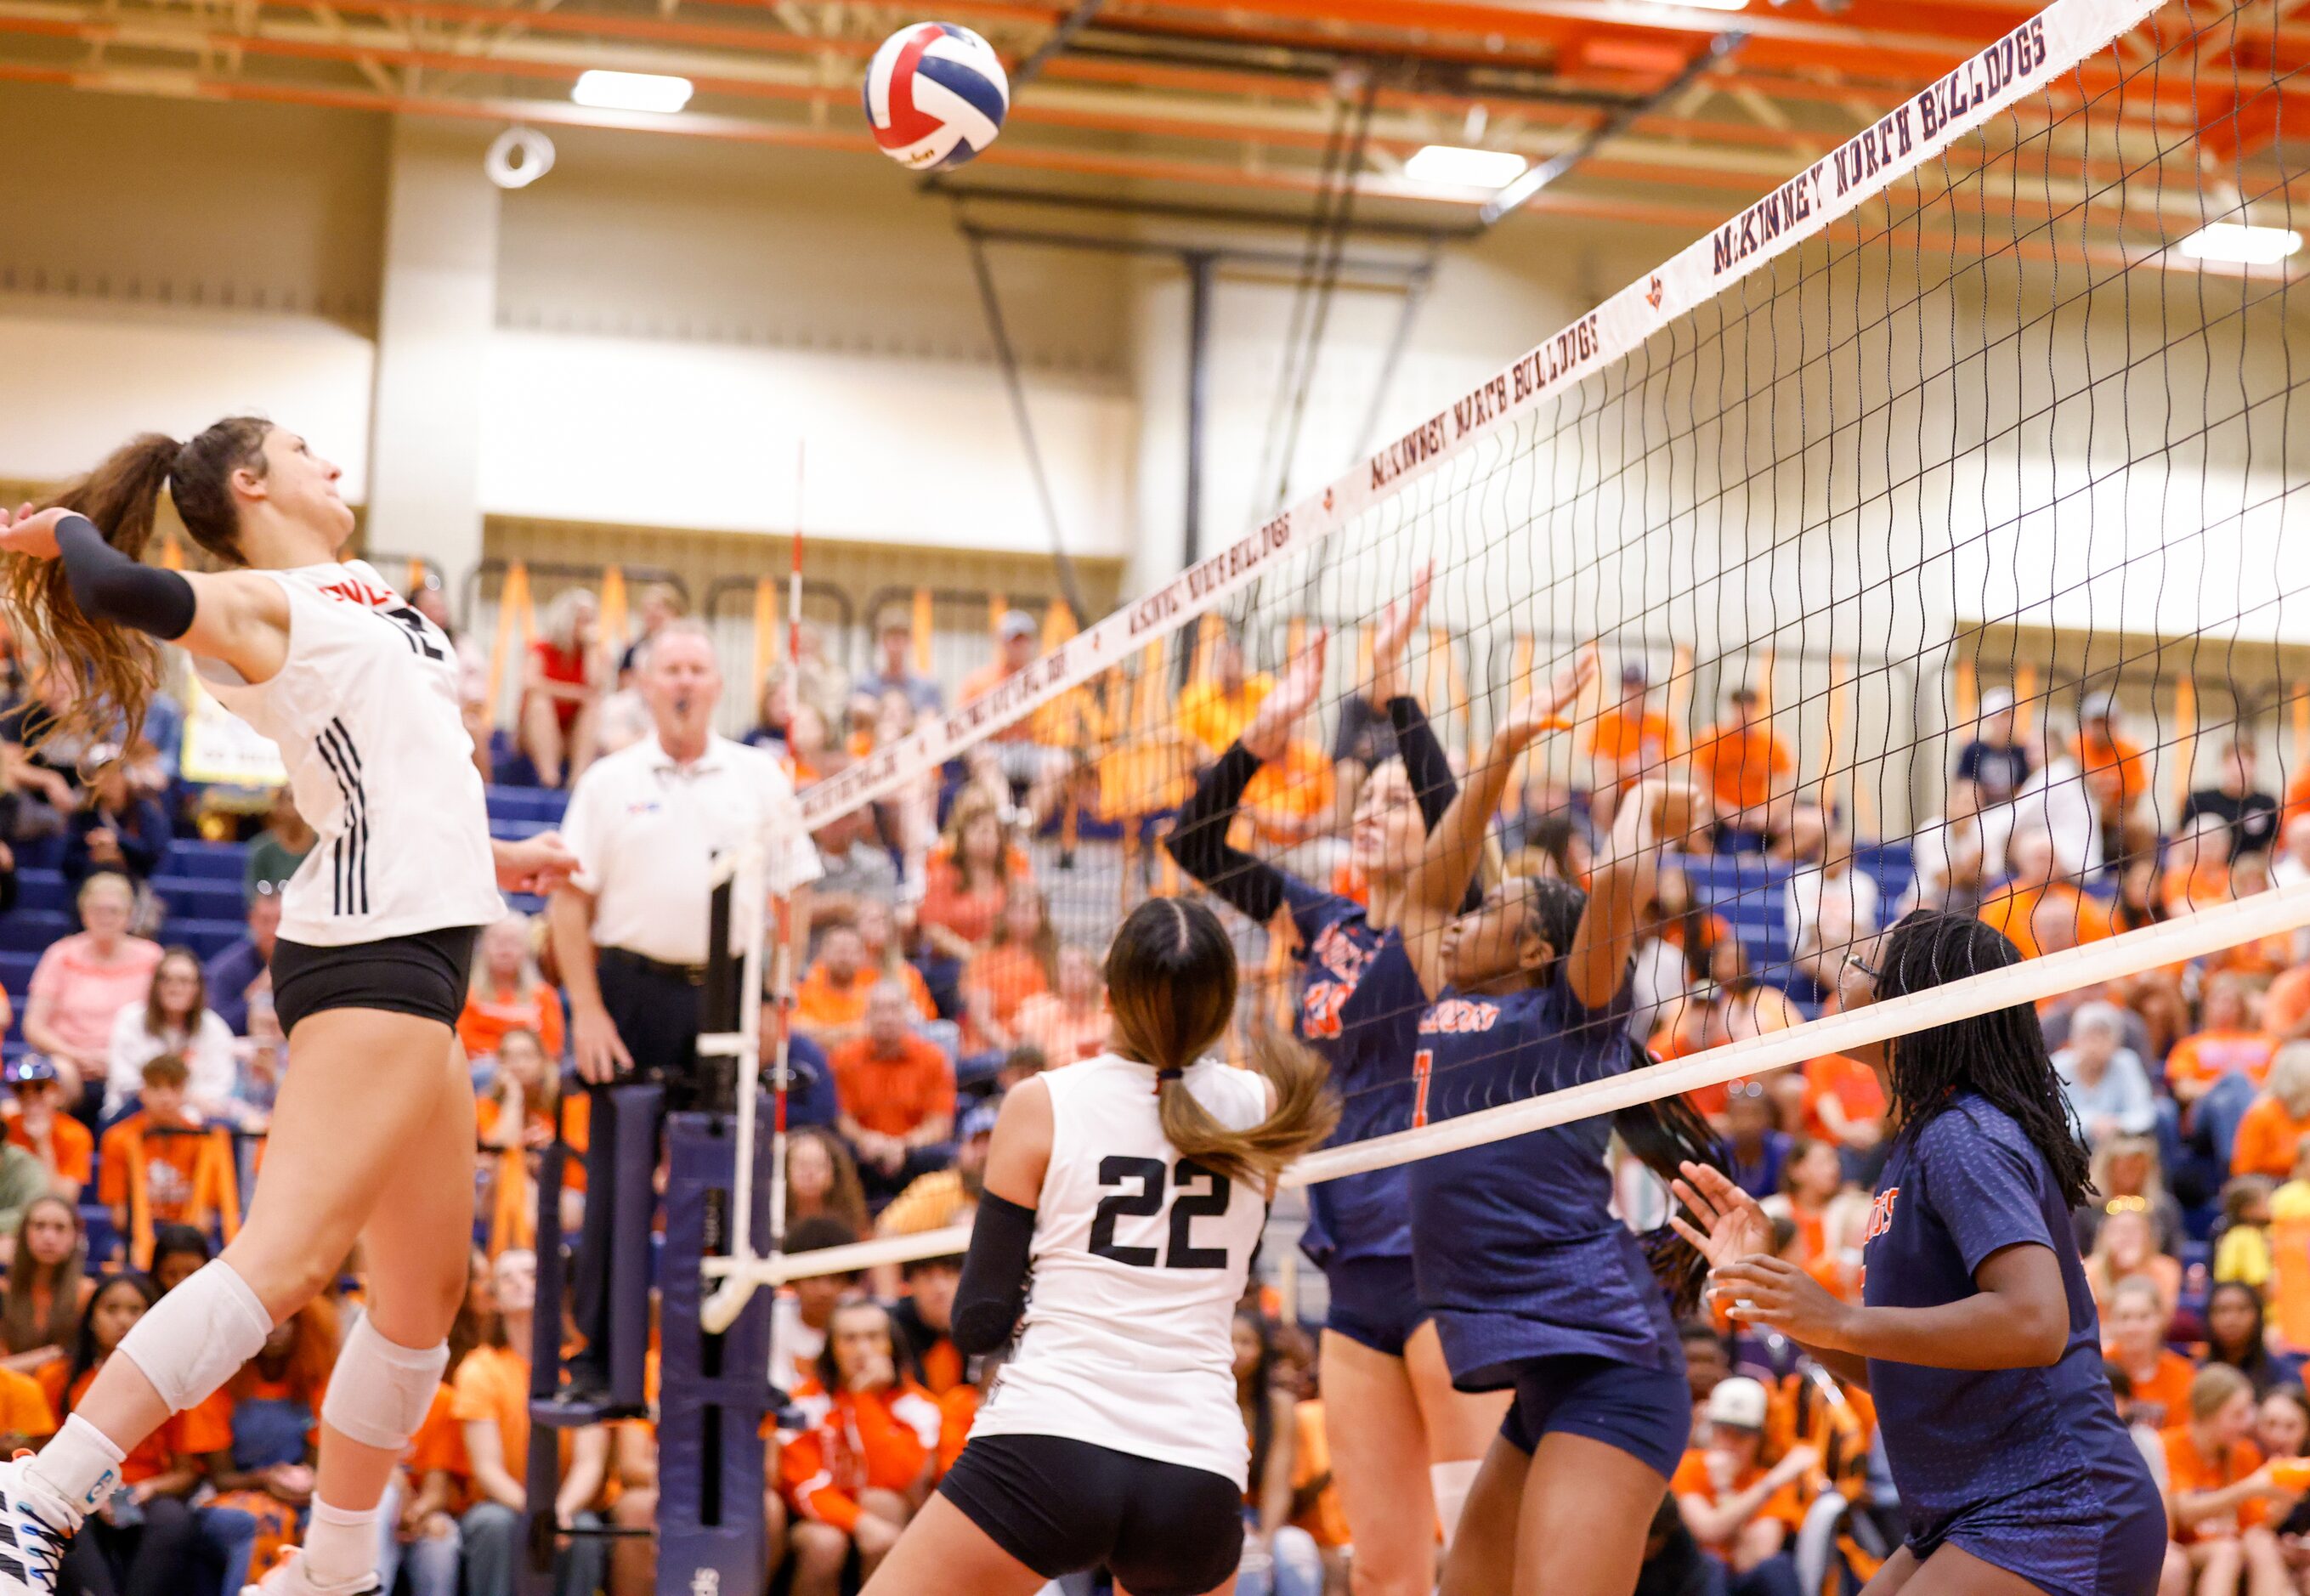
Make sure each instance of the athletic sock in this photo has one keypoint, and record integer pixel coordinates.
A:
(341, 1546)
(78, 1466)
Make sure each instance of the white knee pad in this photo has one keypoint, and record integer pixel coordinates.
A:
(197, 1338)
(1451, 1483)
(380, 1392)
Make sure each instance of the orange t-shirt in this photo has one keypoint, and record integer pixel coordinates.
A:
(2165, 1394)
(972, 914)
(24, 1406)
(2205, 1058)
(2113, 765)
(2189, 1469)
(2205, 885)
(196, 1432)
(2298, 798)
(1619, 737)
(892, 1096)
(1311, 1469)
(857, 1442)
(439, 1444)
(170, 1163)
(2267, 1136)
(75, 1148)
(2286, 1000)
(2014, 910)
(494, 1010)
(577, 1113)
(1692, 1479)
(1009, 975)
(1740, 763)
(957, 1411)
(1056, 723)
(492, 1383)
(1851, 1082)
(821, 1001)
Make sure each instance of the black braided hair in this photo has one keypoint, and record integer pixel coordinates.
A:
(1664, 1134)
(2001, 1055)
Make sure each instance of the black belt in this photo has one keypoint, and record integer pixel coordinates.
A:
(688, 975)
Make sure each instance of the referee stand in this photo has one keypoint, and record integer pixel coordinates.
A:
(715, 1390)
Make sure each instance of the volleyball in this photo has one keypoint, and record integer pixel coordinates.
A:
(935, 96)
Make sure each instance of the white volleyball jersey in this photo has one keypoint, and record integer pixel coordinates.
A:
(364, 711)
(1138, 1262)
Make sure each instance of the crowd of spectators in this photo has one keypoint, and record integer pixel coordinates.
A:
(948, 957)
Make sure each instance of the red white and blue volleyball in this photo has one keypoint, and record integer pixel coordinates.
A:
(935, 96)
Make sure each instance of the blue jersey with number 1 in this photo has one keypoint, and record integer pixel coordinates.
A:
(1359, 1002)
(1519, 1255)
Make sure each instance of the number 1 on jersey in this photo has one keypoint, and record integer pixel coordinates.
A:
(1423, 1065)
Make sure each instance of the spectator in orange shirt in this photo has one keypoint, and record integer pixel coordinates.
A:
(145, 1528)
(2277, 1119)
(1070, 1023)
(2134, 1322)
(856, 1471)
(273, 1407)
(2197, 870)
(1035, 773)
(1744, 1515)
(1845, 1103)
(2221, 1492)
(1741, 762)
(896, 1092)
(967, 878)
(169, 1162)
(508, 993)
(924, 1320)
(48, 1286)
(2286, 1005)
(1018, 964)
(40, 1125)
(2117, 776)
(831, 1002)
(1628, 742)
(2125, 1248)
(491, 1402)
(2036, 912)
(2227, 1042)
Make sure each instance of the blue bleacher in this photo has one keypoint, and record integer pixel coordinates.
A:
(1746, 890)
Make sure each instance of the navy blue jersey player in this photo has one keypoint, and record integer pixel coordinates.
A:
(1976, 1333)
(1407, 1450)
(1534, 1285)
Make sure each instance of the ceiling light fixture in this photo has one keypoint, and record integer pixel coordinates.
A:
(631, 91)
(1454, 166)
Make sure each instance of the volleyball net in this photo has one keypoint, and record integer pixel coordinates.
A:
(1936, 522)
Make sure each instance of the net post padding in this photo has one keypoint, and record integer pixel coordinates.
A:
(1912, 132)
(2129, 953)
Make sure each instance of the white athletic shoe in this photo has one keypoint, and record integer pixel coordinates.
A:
(288, 1579)
(35, 1528)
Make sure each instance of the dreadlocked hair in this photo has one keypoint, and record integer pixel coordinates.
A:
(1664, 1134)
(2001, 1055)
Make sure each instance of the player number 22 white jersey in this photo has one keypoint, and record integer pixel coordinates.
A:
(1138, 1262)
(365, 713)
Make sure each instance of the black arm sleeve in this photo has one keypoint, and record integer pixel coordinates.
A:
(992, 1292)
(1430, 773)
(108, 586)
(1252, 887)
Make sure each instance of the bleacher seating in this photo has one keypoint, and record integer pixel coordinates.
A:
(1747, 890)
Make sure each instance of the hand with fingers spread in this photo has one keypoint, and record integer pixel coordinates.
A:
(1543, 709)
(1271, 729)
(1775, 1294)
(1733, 1226)
(1392, 636)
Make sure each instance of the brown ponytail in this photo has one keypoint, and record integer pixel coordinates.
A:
(1171, 982)
(114, 668)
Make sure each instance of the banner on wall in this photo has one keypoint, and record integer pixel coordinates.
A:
(222, 747)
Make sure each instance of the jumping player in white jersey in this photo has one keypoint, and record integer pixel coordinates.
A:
(1133, 1187)
(372, 1139)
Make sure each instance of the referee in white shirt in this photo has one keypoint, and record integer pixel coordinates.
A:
(630, 930)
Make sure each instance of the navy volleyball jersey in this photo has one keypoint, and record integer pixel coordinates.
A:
(1359, 1002)
(2013, 1464)
(1517, 1252)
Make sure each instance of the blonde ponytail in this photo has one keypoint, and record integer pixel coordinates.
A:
(1304, 1113)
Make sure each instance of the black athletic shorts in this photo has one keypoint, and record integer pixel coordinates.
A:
(1062, 1506)
(425, 973)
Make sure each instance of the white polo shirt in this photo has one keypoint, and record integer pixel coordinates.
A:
(648, 830)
